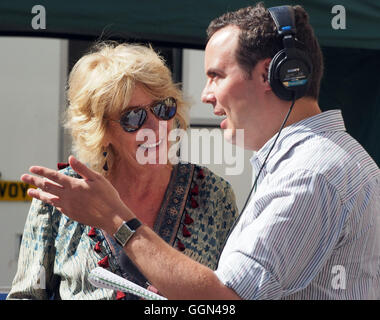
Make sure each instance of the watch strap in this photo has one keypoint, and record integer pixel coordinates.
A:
(134, 224)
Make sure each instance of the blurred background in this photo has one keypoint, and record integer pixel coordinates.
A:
(40, 41)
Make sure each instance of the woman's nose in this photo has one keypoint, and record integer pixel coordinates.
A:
(151, 121)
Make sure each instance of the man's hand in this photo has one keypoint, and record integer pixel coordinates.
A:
(95, 202)
(92, 200)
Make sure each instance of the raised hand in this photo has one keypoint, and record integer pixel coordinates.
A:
(92, 200)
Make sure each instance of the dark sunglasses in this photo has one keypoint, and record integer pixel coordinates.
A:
(134, 117)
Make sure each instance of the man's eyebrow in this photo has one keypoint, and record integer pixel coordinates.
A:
(212, 71)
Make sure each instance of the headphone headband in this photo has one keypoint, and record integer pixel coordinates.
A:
(290, 68)
(283, 17)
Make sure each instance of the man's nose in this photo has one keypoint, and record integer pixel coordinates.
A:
(207, 96)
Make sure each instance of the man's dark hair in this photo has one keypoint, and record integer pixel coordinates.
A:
(259, 39)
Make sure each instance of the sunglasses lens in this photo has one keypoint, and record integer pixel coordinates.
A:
(133, 120)
(165, 110)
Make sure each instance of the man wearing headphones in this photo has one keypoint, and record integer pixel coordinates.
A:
(312, 228)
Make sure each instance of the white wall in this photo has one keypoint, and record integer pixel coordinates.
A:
(194, 80)
(33, 71)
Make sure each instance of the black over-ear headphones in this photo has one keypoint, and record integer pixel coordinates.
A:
(291, 68)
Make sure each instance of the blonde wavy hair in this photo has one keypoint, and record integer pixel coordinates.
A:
(100, 87)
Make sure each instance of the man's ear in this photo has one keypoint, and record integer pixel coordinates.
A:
(265, 71)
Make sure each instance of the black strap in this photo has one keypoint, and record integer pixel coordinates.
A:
(133, 224)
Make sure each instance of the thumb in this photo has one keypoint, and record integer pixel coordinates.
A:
(82, 169)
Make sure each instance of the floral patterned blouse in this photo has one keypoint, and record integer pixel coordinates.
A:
(57, 254)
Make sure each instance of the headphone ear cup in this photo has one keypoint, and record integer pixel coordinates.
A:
(274, 77)
(289, 78)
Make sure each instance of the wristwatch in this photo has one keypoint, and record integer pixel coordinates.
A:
(126, 231)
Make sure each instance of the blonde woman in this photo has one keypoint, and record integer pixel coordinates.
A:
(114, 93)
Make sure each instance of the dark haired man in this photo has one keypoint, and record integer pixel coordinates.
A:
(311, 230)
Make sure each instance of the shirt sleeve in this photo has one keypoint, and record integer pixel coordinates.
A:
(284, 237)
(34, 277)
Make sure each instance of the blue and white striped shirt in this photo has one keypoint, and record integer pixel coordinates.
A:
(312, 229)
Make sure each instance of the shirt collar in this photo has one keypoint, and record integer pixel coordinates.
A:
(330, 121)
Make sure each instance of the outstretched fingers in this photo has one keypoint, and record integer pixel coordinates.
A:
(50, 177)
(44, 197)
(51, 184)
(42, 183)
(80, 168)
(79, 199)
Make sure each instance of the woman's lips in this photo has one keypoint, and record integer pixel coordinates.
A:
(150, 145)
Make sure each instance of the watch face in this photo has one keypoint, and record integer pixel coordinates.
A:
(123, 234)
